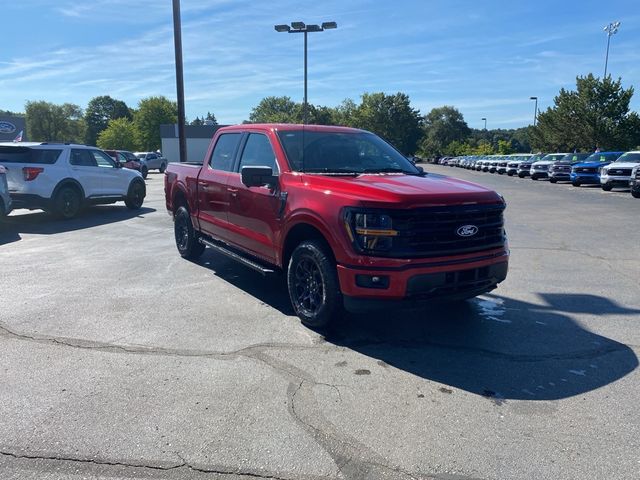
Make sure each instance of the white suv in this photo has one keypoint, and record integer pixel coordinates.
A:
(62, 178)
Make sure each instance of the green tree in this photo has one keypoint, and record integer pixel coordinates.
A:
(276, 110)
(596, 114)
(51, 122)
(457, 148)
(442, 126)
(197, 121)
(483, 148)
(99, 111)
(151, 113)
(504, 147)
(120, 134)
(210, 118)
(391, 117)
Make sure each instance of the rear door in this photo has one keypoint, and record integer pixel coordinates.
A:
(254, 222)
(213, 197)
(86, 171)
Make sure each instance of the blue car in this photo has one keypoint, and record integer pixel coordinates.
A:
(588, 172)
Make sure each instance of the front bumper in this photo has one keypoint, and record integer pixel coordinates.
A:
(538, 173)
(585, 178)
(560, 175)
(427, 278)
(619, 181)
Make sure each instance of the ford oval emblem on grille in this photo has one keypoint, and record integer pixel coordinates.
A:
(467, 231)
(7, 127)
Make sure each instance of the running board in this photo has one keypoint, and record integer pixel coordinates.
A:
(237, 257)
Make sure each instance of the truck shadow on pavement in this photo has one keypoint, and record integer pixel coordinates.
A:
(497, 347)
(41, 223)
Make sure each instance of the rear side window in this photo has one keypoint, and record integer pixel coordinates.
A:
(29, 155)
(82, 158)
(224, 151)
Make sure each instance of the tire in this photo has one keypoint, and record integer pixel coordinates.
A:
(135, 195)
(553, 180)
(163, 167)
(635, 193)
(67, 203)
(575, 183)
(312, 281)
(521, 175)
(144, 171)
(510, 174)
(533, 177)
(606, 187)
(186, 237)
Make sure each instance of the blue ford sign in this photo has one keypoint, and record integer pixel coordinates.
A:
(7, 127)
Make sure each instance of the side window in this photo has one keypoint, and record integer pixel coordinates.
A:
(223, 152)
(151, 156)
(82, 158)
(258, 152)
(102, 159)
(122, 158)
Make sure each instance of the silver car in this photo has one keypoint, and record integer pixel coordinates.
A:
(152, 160)
(5, 198)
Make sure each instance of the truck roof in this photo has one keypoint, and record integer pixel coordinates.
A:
(293, 126)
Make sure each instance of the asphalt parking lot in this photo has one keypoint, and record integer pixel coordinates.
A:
(122, 360)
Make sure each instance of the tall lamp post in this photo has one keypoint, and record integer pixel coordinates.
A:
(300, 27)
(485, 122)
(177, 40)
(535, 110)
(610, 29)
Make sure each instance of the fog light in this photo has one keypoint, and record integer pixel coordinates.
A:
(372, 281)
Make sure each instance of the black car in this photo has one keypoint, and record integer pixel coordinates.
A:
(561, 170)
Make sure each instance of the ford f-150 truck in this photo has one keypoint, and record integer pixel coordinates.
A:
(342, 214)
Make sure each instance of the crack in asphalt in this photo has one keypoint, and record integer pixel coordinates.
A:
(254, 351)
(165, 468)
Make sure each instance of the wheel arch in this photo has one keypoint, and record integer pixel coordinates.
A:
(69, 182)
(300, 232)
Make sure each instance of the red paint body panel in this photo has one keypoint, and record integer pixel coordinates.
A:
(254, 220)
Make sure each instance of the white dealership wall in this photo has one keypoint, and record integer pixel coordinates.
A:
(198, 139)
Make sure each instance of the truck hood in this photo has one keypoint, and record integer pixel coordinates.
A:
(615, 165)
(402, 191)
(591, 164)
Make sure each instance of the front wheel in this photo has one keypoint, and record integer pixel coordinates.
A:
(575, 183)
(144, 171)
(521, 175)
(313, 285)
(635, 193)
(553, 180)
(135, 196)
(163, 167)
(606, 187)
(185, 235)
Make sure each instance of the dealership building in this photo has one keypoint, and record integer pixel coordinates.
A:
(10, 128)
(197, 138)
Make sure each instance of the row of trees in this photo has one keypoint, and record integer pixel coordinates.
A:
(106, 122)
(595, 115)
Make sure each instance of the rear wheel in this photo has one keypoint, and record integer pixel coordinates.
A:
(67, 203)
(313, 285)
(135, 196)
(185, 235)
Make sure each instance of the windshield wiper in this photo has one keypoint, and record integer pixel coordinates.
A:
(391, 170)
(331, 171)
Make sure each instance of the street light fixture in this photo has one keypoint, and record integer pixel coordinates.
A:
(535, 110)
(610, 29)
(301, 27)
(485, 122)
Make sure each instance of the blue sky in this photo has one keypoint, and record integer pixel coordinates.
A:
(484, 57)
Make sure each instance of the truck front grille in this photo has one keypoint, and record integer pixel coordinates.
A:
(437, 231)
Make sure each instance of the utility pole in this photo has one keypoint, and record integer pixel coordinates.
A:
(177, 40)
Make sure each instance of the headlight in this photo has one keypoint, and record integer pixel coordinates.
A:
(370, 232)
(602, 170)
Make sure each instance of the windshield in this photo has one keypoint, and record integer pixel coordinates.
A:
(575, 157)
(338, 152)
(629, 157)
(602, 157)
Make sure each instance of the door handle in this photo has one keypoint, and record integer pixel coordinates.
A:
(233, 191)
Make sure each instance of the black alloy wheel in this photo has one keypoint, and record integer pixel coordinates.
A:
(187, 241)
(313, 285)
(67, 203)
(136, 195)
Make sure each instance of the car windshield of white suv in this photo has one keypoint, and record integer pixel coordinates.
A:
(343, 153)
(629, 157)
(29, 155)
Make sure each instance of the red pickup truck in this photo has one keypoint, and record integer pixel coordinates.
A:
(347, 218)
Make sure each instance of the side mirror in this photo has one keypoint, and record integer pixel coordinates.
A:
(258, 176)
(118, 164)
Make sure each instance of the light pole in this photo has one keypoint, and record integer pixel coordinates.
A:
(485, 122)
(177, 40)
(535, 110)
(300, 27)
(610, 29)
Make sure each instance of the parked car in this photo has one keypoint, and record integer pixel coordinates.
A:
(618, 173)
(5, 198)
(152, 161)
(561, 170)
(62, 178)
(524, 168)
(540, 169)
(634, 183)
(588, 171)
(514, 162)
(342, 214)
(129, 160)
